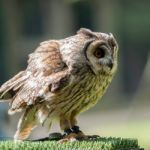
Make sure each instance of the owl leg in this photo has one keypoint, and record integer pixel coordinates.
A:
(76, 129)
(65, 126)
(26, 123)
(71, 130)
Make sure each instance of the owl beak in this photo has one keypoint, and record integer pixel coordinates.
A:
(110, 64)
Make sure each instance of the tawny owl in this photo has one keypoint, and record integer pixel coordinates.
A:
(63, 78)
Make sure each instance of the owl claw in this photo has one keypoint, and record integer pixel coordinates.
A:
(92, 137)
(55, 136)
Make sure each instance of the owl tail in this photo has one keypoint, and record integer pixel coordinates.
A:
(10, 88)
(26, 124)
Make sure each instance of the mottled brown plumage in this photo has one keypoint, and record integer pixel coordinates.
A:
(63, 78)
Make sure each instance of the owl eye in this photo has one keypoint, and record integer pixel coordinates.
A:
(99, 52)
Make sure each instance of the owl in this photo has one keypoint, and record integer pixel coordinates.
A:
(63, 78)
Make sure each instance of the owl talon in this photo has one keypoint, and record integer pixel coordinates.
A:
(92, 137)
(55, 136)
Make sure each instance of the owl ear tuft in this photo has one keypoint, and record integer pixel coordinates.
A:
(112, 41)
(86, 31)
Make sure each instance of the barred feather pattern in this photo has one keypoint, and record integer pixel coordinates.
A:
(79, 96)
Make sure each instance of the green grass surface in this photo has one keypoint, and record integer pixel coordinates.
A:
(139, 130)
(98, 144)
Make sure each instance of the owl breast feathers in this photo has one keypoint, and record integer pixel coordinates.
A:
(63, 78)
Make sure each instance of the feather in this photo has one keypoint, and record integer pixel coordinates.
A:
(46, 72)
(10, 88)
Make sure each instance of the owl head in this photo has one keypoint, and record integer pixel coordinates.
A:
(94, 50)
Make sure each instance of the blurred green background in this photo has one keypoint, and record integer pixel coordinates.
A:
(125, 109)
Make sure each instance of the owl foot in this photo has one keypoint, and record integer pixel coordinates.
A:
(81, 135)
(73, 134)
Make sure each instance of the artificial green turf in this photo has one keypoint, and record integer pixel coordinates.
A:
(100, 143)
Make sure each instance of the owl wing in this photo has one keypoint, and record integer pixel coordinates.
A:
(46, 72)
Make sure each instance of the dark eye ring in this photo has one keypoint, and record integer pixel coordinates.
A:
(99, 52)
